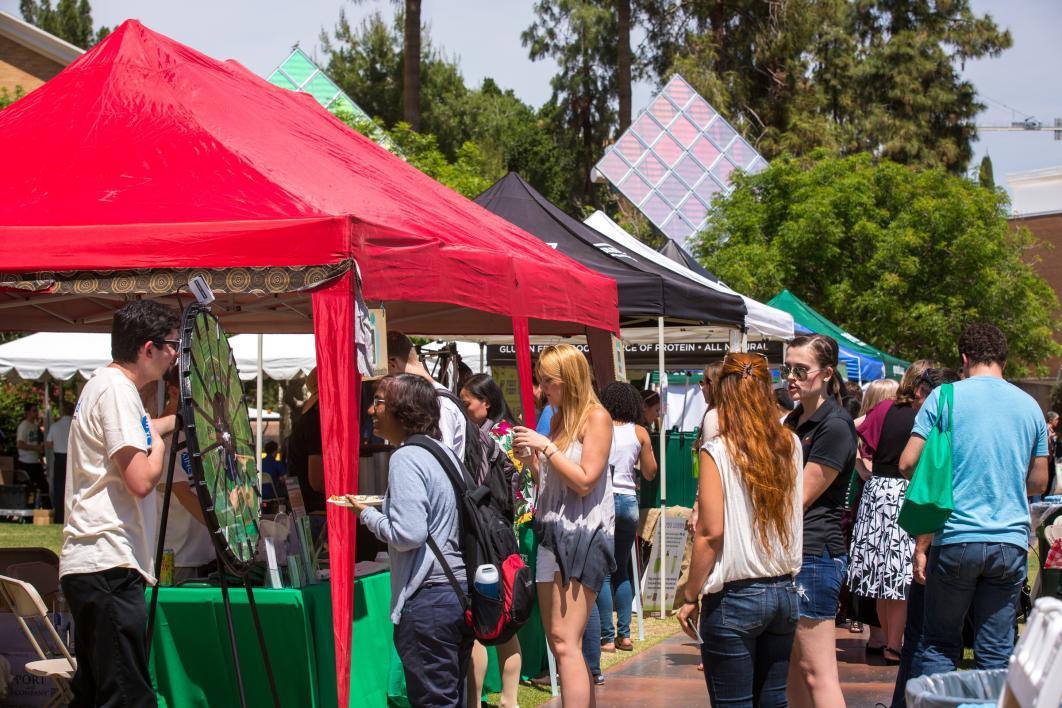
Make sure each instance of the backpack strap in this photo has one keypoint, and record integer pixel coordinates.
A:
(454, 475)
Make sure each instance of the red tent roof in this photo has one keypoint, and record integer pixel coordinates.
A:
(145, 152)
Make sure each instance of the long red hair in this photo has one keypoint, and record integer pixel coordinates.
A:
(760, 447)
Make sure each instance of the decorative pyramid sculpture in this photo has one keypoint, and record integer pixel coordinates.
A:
(678, 154)
(299, 73)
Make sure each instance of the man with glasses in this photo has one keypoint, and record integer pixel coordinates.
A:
(116, 457)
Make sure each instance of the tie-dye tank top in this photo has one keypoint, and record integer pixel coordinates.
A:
(578, 530)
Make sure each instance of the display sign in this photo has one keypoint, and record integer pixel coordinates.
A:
(675, 539)
(619, 362)
(678, 355)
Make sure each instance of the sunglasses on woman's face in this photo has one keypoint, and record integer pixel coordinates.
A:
(797, 371)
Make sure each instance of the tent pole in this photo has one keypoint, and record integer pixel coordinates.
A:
(258, 407)
(482, 357)
(663, 467)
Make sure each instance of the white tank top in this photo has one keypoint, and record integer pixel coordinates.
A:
(622, 457)
(743, 557)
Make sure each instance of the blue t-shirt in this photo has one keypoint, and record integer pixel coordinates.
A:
(542, 426)
(996, 431)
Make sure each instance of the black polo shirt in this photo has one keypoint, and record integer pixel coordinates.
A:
(828, 437)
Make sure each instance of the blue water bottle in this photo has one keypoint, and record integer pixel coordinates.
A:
(486, 580)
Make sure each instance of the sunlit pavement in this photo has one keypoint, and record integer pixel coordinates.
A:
(667, 675)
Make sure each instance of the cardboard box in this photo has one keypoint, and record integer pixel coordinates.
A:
(7, 469)
(43, 517)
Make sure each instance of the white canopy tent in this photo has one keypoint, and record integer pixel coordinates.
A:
(762, 320)
(60, 355)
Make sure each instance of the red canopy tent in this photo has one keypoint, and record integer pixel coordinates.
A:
(146, 162)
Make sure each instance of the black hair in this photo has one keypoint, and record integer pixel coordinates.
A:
(486, 389)
(623, 402)
(983, 343)
(26, 407)
(851, 404)
(138, 322)
(650, 397)
(270, 448)
(413, 403)
(781, 397)
(825, 351)
(933, 377)
(398, 346)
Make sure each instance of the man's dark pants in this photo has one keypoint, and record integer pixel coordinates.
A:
(984, 578)
(110, 642)
(435, 645)
(59, 486)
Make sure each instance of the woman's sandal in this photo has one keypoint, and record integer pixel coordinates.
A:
(889, 661)
(625, 644)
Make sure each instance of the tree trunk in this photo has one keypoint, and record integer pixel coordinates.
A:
(411, 65)
(623, 62)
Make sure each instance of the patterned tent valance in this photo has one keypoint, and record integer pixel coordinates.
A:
(166, 281)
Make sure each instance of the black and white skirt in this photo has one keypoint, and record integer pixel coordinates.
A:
(880, 557)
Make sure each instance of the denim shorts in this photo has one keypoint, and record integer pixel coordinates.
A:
(819, 584)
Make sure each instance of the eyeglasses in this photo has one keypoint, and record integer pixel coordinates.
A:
(797, 371)
(160, 343)
(376, 401)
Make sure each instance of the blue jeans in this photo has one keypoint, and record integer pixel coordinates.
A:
(591, 643)
(983, 578)
(620, 581)
(911, 654)
(748, 631)
(819, 584)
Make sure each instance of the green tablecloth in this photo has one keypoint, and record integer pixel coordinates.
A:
(191, 662)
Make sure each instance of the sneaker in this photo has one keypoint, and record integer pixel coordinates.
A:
(599, 680)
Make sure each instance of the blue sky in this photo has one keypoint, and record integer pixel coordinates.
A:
(484, 35)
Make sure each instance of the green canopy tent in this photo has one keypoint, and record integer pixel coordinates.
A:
(870, 363)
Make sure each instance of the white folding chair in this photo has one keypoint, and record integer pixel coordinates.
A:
(1034, 678)
(55, 662)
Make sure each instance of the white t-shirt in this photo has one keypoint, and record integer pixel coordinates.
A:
(451, 423)
(622, 457)
(185, 535)
(58, 434)
(107, 526)
(743, 556)
(28, 432)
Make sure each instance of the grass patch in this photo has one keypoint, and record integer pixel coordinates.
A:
(656, 631)
(13, 535)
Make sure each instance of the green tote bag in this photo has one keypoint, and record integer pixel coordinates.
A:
(928, 501)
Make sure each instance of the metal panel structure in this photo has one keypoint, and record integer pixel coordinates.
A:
(676, 157)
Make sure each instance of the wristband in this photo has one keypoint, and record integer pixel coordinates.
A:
(690, 602)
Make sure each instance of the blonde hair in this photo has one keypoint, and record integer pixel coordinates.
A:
(906, 394)
(878, 391)
(565, 363)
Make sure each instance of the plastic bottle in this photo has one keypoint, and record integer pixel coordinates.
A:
(486, 580)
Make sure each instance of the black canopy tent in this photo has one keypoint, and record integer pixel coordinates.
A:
(680, 255)
(647, 290)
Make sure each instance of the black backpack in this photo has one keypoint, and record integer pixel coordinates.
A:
(487, 462)
(486, 538)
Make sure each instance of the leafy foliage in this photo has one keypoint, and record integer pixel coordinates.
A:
(581, 36)
(482, 133)
(879, 76)
(904, 257)
(69, 19)
(6, 99)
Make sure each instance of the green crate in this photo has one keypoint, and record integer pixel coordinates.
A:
(681, 480)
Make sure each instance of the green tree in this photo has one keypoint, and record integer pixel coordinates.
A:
(6, 99)
(902, 257)
(985, 176)
(366, 61)
(69, 19)
(581, 36)
(878, 76)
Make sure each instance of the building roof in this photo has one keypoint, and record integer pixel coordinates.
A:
(33, 37)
